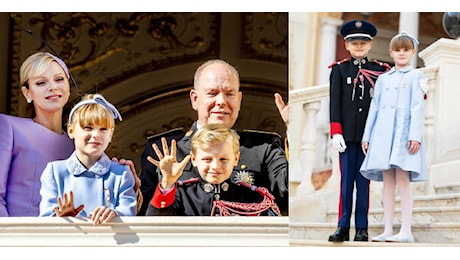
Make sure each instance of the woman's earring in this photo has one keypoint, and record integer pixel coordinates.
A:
(29, 100)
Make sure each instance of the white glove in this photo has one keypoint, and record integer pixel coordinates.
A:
(338, 143)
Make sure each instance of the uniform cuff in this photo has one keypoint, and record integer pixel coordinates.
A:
(336, 128)
(162, 200)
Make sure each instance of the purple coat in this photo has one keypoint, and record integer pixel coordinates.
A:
(25, 149)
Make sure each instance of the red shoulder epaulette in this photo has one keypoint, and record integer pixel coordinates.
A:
(191, 180)
(338, 62)
(384, 64)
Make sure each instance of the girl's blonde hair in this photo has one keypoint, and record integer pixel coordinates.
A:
(212, 134)
(403, 41)
(92, 114)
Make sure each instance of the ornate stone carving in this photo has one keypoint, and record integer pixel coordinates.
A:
(265, 36)
(104, 48)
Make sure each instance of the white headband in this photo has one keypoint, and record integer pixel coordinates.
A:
(404, 34)
(97, 99)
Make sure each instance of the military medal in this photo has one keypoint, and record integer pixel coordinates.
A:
(244, 176)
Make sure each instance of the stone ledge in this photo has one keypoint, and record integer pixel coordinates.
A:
(436, 233)
(145, 231)
(322, 243)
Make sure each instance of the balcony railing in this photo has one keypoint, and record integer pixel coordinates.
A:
(145, 231)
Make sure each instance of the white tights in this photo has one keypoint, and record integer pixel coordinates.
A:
(400, 177)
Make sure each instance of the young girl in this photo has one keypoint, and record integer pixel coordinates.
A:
(392, 139)
(214, 152)
(103, 189)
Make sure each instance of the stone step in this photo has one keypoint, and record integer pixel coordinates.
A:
(447, 188)
(419, 215)
(435, 220)
(434, 200)
(426, 233)
(438, 200)
(325, 243)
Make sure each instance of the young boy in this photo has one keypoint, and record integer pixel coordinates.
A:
(103, 189)
(214, 153)
(351, 90)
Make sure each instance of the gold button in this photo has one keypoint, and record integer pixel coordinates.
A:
(243, 166)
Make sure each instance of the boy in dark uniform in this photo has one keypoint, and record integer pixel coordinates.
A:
(217, 99)
(218, 191)
(351, 89)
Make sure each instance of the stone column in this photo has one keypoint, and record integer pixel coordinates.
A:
(329, 27)
(308, 147)
(298, 42)
(408, 22)
(444, 55)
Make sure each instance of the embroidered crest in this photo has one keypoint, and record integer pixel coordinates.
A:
(244, 176)
(358, 24)
(404, 80)
(424, 85)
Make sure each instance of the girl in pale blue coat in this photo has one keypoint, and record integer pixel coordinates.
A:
(101, 188)
(392, 139)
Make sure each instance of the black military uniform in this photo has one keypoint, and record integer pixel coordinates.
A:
(262, 163)
(196, 197)
(351, 89)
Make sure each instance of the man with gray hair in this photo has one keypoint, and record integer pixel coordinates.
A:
(216, 97)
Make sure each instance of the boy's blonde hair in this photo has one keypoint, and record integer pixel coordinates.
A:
(212, 134)
(92, 114)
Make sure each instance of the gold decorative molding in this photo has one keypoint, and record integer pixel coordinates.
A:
(102, 49)
(265, 36)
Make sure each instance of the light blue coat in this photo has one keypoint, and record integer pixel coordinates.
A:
(105, 183)
(396, 115)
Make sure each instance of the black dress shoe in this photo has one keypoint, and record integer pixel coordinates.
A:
(361, 235)
(340, 235)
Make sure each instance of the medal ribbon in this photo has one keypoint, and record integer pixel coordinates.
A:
(370, 75)
(228, 208)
